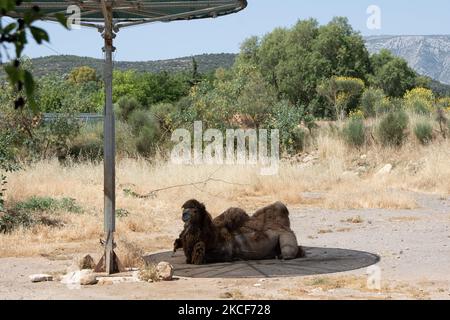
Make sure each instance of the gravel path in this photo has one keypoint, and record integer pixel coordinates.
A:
(414, 246)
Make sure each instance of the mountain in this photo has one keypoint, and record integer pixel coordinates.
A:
(63, 64)
(428, 55)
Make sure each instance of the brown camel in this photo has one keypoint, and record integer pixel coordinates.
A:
(234, 235)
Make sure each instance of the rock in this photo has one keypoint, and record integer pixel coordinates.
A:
(363, 157)
(385, 170)
(41, 277)
(165, 271)
(116, 280)
(82, 277)
(88, 279)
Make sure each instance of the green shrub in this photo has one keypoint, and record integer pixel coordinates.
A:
(125, 107)
(372, 102)
(392, 128)
(12, 220)
(146, 127)
(147, 140)
(88, 145)
(354, 132)
(46, 204)
(424, 132)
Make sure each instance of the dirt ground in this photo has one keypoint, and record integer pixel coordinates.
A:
(414, 247)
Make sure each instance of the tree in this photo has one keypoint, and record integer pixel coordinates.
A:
(83, 75)
(340, 91)
(294, 61)
(15, 34)
(392, 74)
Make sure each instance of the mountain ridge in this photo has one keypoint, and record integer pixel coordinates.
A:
(429, 55)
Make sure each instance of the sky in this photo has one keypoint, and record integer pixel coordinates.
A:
(225, 34)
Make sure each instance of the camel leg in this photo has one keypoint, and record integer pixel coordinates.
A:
(288, 245)
(198, 254)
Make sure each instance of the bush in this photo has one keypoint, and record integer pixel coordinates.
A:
(46, 204)
(420, 100)
(147, 140)
(88, 145)
(354, 132)
(126, 106)
(12, 220)
(146, 127)
(424, 132)
(392, 128)
(29, 213)
(372, 101)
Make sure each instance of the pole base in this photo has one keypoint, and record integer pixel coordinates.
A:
(117, 266)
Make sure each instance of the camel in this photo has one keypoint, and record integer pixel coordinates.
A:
(234, 235)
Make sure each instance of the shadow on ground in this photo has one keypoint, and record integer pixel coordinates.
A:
(318, 261)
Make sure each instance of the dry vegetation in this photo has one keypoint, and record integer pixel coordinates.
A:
(151, 224)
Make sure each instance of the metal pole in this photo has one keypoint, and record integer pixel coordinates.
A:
(109, 145)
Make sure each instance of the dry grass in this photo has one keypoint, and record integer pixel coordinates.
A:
(152, 224)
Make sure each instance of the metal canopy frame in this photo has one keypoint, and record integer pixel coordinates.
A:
(108, 16)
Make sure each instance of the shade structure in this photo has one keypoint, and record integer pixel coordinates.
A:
(108, 16)
(132, 12)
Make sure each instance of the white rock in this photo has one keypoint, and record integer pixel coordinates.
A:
(82, 277)
(88, 279)
(41, 277)
(363, 157)
(165, 271)
(116, 280)
(385, 170)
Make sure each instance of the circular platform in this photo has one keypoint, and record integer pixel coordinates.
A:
(318, 261)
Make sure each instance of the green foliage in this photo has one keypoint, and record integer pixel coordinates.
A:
(13, 220)
(146, 128)
(47, 204)
(55, 136)
(122, 213)
(287, 119)
(31, 212)
(88, 144)
(294, 61)
(392, 74)
(354, 132)
(125, 106)
(392, 128)
(372, 101)
(340, 92)
(16, 33)
(423, 131)
(420, 100)
(57, 95)
(82, 75)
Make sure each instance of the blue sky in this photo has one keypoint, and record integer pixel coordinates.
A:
(225, 34)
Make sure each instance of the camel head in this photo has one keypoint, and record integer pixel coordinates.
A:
(194, 213)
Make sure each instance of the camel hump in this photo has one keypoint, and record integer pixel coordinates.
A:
(281, 207)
